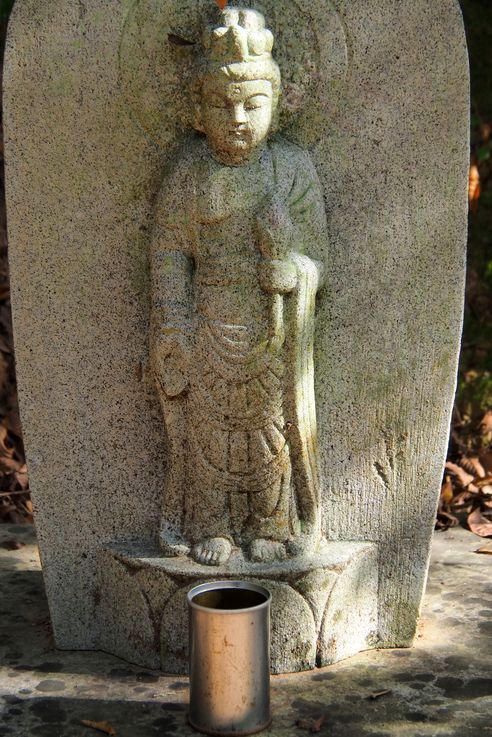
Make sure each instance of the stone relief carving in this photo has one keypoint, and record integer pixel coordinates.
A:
(239, 229)
(310, 48)
(324, 607)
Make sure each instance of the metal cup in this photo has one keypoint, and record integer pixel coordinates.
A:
(229, 658)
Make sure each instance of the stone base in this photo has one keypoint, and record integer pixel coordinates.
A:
(324, 607)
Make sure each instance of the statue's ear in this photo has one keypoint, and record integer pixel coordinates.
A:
(196, 104)
(276, 114)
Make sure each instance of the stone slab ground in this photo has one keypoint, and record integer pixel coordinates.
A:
(440, 688)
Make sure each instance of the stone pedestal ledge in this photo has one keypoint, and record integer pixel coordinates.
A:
(324, 607)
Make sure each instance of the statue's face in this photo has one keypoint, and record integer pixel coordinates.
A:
(236, 117)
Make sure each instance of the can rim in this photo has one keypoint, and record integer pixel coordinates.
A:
(226, 584)
(241, 733)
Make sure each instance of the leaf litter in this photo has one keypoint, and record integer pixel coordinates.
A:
(466, 494)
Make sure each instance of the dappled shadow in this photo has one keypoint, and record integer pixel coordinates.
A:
(62, 717)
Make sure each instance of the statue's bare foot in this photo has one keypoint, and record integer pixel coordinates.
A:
(266, 551)
(214, 551)
(306, 544)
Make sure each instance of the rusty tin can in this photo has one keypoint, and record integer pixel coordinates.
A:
(229, 658)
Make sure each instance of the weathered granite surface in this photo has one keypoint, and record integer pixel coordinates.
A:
(386, 125)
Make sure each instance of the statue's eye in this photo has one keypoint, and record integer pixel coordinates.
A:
(255, 102)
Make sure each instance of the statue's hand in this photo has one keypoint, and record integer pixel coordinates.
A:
(275, 228)
(277, 276)
(170, 363)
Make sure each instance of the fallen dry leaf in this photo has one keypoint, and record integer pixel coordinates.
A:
(485, 549)
(378, 694)
(312, 724)
(105, 727)
(474, 187)
(486, 461)
(447, 491)
(473, 465)
(485, 132)
(444, 521)
(7, 461)
(484, 483)
(479, 524)
(465, 478)
(486, 422)
(221, 4)
(13, 545)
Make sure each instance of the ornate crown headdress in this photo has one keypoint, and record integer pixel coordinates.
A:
(240, 47)
(241, 38)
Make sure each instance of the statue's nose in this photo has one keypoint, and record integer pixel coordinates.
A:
(239, 115)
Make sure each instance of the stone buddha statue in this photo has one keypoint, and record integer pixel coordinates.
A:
(239, 227)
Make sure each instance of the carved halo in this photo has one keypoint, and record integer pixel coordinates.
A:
(159, 51)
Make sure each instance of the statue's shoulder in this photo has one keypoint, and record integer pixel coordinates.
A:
(293, 164)
(295, 171)
(183, 161)
(175, 195)
(290, 155)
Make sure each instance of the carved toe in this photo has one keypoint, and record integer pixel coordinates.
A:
(214, 551)
(267, 551)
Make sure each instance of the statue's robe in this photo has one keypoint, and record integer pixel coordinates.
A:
(240, 419)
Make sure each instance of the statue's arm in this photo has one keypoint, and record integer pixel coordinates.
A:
(171, 288)
(307, 209)
(171, 266)
(293, 225)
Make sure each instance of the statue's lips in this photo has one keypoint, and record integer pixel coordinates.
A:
(238, 139)
(241, 135)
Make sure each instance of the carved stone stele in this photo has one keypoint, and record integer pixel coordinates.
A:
(236, 341)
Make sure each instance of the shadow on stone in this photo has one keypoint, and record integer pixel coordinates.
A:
(53, 717)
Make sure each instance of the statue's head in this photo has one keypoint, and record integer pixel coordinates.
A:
(238, 87)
